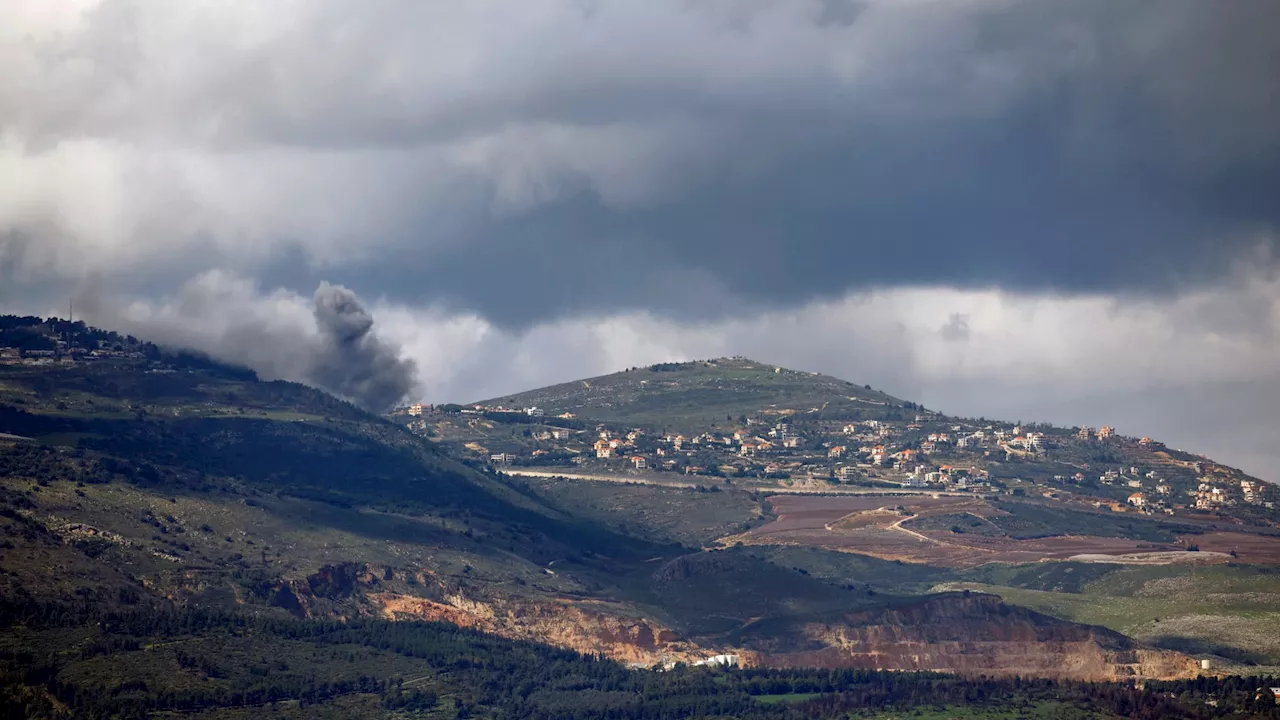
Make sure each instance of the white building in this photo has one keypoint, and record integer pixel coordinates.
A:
(721, 660)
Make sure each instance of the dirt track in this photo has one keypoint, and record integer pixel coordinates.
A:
(819, 522)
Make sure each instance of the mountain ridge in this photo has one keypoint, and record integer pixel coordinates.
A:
(702, 390)
(141, 486)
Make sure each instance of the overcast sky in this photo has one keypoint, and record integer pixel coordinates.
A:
(1063, 210)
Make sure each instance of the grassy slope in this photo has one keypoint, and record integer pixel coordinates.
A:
(218, 476)
(682, 515)
(1224, 610)
(1043, 710)
(1229, 611)
(213, 490)
(706, 393)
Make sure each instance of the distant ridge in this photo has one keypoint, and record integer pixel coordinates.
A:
(699, 393)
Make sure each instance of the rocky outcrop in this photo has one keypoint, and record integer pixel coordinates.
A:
(564, 623)
(970, 635)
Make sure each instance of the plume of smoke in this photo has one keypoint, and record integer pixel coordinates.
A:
(350, 359)
(327, 341)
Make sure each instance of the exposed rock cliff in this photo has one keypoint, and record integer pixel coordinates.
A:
(977, 634)
(968, 634)
(565, 624)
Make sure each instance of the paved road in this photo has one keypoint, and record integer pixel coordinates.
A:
(737, 483)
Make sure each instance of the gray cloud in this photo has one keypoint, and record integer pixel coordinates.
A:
(699, 159)
(518, 182)
(1169, 367)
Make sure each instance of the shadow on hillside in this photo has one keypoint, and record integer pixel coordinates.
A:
(1201, 646)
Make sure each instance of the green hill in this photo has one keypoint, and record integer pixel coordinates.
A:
(211, 471)
(692, 396)
(179, 537)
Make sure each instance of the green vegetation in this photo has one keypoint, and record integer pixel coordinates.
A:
(1026, 520)
(1228, 611)
(787, 698)
(149, 663)
(861, 571)
(664, 514)
(1058, 577)
(1029, 710)
(178, 538)
(695, 396)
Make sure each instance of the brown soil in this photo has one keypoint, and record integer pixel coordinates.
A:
(869, 525)
(1249, 548)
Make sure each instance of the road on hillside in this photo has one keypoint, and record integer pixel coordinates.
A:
(737, 484)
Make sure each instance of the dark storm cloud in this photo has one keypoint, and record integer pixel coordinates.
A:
(511, 179)
(695, 158)
(1091, 147)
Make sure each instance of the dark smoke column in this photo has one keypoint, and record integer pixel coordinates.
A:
(351, 360)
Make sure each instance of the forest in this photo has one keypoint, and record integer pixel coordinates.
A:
(477, 675)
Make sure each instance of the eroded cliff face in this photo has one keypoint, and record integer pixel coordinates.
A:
(969, 635)
(965, 634)
(562, 623)
(351, 588)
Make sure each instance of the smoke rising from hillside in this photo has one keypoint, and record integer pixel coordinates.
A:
(749, 177)
(350, 359)
(328, 341)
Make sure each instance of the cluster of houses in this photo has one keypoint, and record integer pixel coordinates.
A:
(771, 448)
(926, 452)
(64, 356)
(1210, 494)
(61, 343)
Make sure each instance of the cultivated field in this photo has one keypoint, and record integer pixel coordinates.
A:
(962, 532)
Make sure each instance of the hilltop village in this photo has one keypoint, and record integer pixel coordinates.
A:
(805, 448)
(33, 342)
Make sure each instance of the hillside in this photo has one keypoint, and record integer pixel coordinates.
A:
(166, 501)
(737, 418)
(722, 455)
(688, 396)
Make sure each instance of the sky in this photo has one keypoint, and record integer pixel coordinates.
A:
(1024, 209)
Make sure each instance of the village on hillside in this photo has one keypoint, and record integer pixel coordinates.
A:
(33, 341)
(781, 448)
